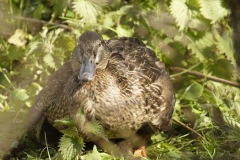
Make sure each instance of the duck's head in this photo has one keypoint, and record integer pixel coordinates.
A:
(89, 54)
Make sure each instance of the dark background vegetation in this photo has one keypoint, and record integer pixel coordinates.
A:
(192, 37)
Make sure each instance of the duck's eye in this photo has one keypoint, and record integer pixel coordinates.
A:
(99, 44)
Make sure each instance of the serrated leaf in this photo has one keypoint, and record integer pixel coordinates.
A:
(69, 126)
(32, 47)
(200, 42)
(122, 32)
(213, 10)
(225, 44)
(65, 121)
(70, 147)
(231, 120)
(70, 131)
(19, 94)
(193, 92)
(216, 68)
(58, 57)
(95, 128)
(48, 59)
(108, 21)
(123, 10)
(111, 18)
(18, 38)
(180, 12)
(87, 9)
(93, 155)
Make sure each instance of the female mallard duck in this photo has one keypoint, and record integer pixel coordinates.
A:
(119, 83)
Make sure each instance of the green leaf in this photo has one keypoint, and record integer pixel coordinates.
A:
(200, 43)
(18, 38)
(19, 94)
(69, 126)
(48, 59)
(70, 147)
(95, 128)
(225, 44)
(193, 92)
(111, 18)
(123, 10)
(108, 21)
(180, 12)
(70, 131)
(87, 9)
(65, 121)
(174, 154)
(216, 69)
(124, 32)
(93, 155)
(213, 10)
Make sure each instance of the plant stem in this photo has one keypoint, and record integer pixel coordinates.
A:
(44, 22)
(8, 90)
(199, 74)
(1, 70)
(189, 128)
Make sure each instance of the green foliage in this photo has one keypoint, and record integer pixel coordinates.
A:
(70, 146)
(89, 10)
(191, 34)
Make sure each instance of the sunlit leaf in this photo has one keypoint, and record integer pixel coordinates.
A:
(225, 44)
(93, 155)
(213, 10)
(123, 32)
(193, 91)
(19, 94)
(182, 12)
(48, 59)
(70, 146)
(200, 42)
(18, 38)
(87, 9)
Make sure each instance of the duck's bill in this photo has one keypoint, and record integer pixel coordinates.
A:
(88, 70)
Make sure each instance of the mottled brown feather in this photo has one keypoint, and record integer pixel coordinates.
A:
(133, 90)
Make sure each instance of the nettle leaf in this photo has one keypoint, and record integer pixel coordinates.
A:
(180, 12)
(87, 9)
(71, 131)
(93, 155)
(124, 32)
(18, 38)
(231, 120)
(213, 10)
(225, 44)
(200, 42)
(48, 59)
(95, 128)
(65, 121)
(49, 39)
(111, 17)
(216, 68)
(193, 91)
(58, 57)
(19, 94)
(33, 46)
(123, 10)
(70, 147)
(108, 21)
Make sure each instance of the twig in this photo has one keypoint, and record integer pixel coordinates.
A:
(213, 78)
(189, 128)
(44, 22)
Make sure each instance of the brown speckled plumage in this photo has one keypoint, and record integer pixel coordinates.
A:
(131, 89)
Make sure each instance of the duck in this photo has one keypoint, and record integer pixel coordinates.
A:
(118, 83)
